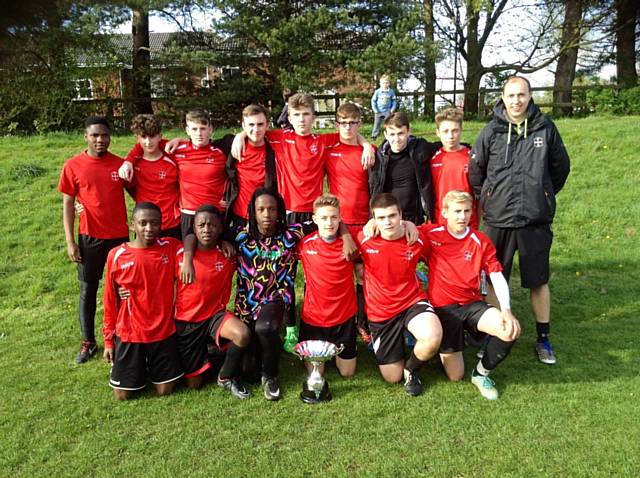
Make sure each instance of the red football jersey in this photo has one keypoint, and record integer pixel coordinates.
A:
(455, 264)
(450, 170)
(250, 172)
(300, 166)
(348, 181)
(157, 182)
(210, 292)
(390, 282)
(329, 297)
(95, 183)
(202, 175)
(148, 273)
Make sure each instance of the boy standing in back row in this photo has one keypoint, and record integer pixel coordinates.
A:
(383, 104)
(92, 179)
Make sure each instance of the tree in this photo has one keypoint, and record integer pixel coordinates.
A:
(480, 29)
(566, 67)
(141, 59)
(627, 12)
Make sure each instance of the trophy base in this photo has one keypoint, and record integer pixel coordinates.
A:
(309, 396)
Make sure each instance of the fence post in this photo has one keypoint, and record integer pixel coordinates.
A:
(481, 107)
(336, 102)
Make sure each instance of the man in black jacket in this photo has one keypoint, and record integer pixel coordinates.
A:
(402, 168)
(518, 165)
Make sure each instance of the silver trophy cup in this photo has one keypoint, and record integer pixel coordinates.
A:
(316, 389)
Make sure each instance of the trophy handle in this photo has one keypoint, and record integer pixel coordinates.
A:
(339, 349)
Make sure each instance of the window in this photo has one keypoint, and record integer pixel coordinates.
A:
(227, 72)
(84, 89)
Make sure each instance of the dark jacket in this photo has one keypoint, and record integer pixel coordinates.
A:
(516, 177)
(270, 177)
(420, 151)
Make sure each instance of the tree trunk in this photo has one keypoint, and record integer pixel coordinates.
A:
(430, 64)
(475, 70)
(141, 61)
(566, 68)
(627, 15)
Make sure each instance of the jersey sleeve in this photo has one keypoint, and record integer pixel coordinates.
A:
(489, 258)
(137, 152)
(111, 304)
(67, 183)
(329, 139)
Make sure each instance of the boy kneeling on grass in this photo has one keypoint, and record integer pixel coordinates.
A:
(457, 255)
(139, 331)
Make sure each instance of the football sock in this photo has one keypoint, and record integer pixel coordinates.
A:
(361, 318)
(496, 351)
(88, 297)
(480, 370)
(543, 331)
(232, 361)
(414, 363)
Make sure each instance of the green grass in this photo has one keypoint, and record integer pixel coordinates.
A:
(578, 418)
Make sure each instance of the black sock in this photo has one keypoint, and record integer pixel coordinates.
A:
(496, 351)
(414, 363)
(543, 331)
(232, 362)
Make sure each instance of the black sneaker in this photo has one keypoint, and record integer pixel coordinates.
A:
(87, 350)
(412, 384)
(235, 386)
(271, 388)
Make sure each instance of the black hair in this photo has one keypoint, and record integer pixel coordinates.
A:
(91, 120)
(281, 225)
(145, 206)
(210, 209)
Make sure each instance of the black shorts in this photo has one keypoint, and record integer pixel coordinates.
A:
(94, 256)
(133, 361)
(455, 319)
(193, 339)
(174, 232)
(388, 336)
(299, 217)
(533, 244)
(341, 334)
(186, 224)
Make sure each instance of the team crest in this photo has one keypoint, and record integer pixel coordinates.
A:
(408, 256)
(210, 160)
(219, 266)
(538, 142)
(164, 259)
(114, 176)
(468, 255)
(163, 174)
(313, 148)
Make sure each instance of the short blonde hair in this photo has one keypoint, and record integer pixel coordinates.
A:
(455, 195)
(198, 116)
(301, 100)
(348, 110)
(449, 114)
(326, 200)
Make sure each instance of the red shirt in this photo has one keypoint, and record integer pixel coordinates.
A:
(95, 183)
(455, 264)
(250, 173)
(202, 175)
(390, 282)
(450, 170)
(330, 297)
(157, 182)
(300, 166)
(210, 292)
(146, 316)
(348, 181)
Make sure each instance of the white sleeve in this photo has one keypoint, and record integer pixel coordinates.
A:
(501, 288)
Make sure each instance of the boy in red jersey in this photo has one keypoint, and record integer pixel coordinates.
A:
(257, 168)
(201, 315)
(350, 183)
(457, 256)
(139, 331)
(92, 179)
(450, 163)
(329, 298)
(394, 299)
(156, 174)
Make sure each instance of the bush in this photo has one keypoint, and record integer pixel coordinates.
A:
(608, 100)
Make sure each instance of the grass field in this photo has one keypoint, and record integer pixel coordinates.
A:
(578, 418)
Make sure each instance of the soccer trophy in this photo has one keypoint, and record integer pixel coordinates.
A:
(316, 389)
